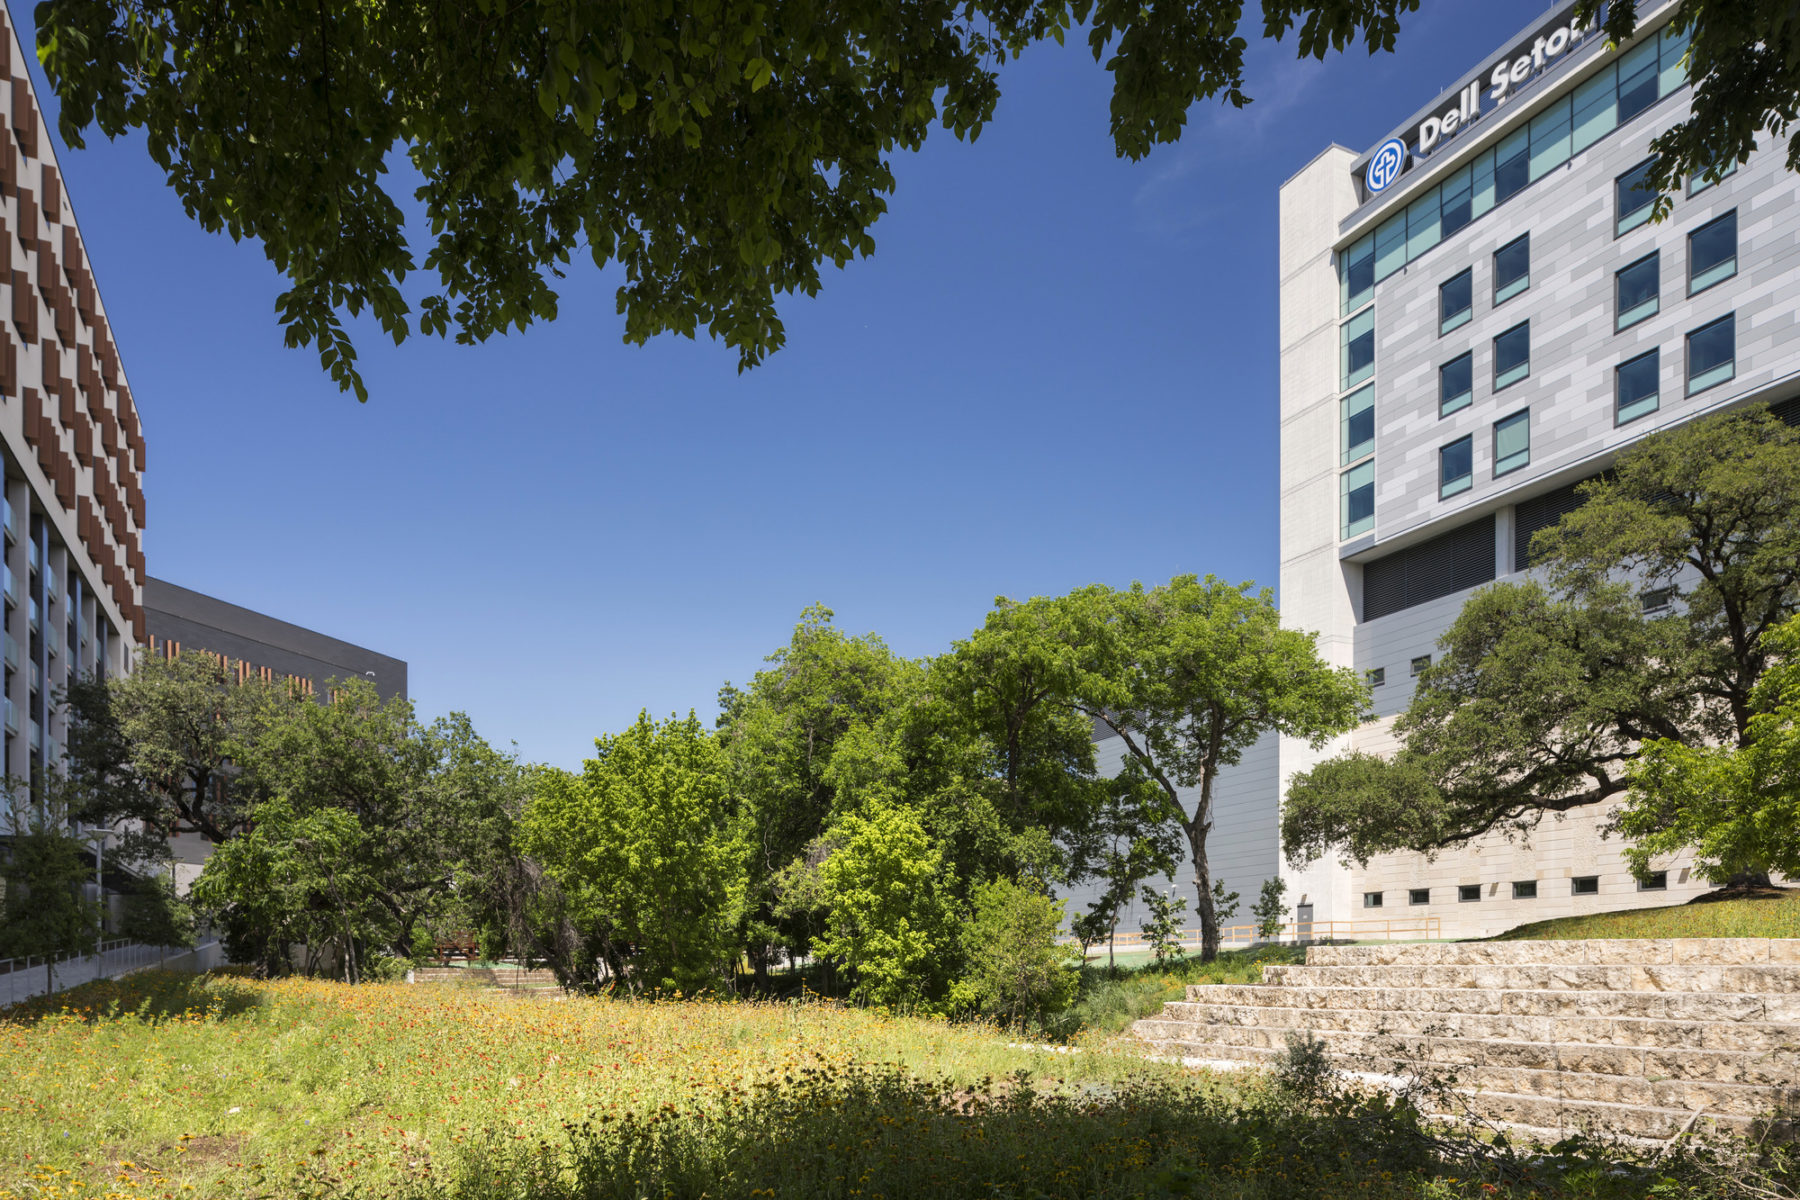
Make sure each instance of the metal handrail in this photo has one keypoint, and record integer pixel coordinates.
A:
(9, 965)
(1422, 928)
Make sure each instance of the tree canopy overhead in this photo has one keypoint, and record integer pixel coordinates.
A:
(718, 152)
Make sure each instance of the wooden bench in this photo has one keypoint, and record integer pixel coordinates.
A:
(458, 945)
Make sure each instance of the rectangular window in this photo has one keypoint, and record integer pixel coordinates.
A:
(1596, 110)
(1656, 881)
(1356, 270)
(1424, 228)
(1456, 380)
(1712, 354)
(1585, 885)
(1656, 599)
(1358, 498)
(1712, 253)
(1456, 301)
(1635, 387)
(1512, 356)
(1468, 893)
(1634, 198)
(1457, 204)
(1635, 291)
(1638, 70)
(1357, 437)
(1525, 889)
(1371, 899)
(1512, 165)
(1550, 139)
(1421, 664)
(1358, 341)
(1390, 246)
(1512, 269)
(1456, 467)
(1418, 896)
(1699, 183)
(1377, 676)
(1512, 442)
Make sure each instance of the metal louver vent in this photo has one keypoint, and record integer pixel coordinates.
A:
(1540, 512)
(1450, 562)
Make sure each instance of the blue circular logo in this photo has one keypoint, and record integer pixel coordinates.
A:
(1385, 167)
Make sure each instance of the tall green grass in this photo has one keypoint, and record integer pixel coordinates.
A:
(1769, 916)
(1108, 1001)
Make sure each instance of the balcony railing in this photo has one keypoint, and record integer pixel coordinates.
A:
(1422, 929)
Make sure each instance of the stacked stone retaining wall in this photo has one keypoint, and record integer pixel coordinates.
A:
(1640, 1037)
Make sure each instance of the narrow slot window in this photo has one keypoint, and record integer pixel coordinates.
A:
(1418, 896)
(1525, 889)
(1357, 271)
(1468, 893)
(1584, 885)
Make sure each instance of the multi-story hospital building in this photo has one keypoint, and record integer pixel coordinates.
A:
(1477, 314)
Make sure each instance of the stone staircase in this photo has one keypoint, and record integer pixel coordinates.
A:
(538, 983)
(1643, 1038)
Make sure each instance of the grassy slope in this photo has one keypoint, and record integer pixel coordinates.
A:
(163, 1087)
(1771, 916)
(1110, 1001)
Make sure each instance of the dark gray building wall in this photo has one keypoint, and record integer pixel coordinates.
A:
(200, 622)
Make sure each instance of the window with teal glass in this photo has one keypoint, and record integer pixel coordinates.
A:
(1512, 442)
(1550, 139)
(1712, 253)
(1612, 96)
(1357, 489)
(1635, 387)
(1699, 183)
(1456, 467)
(1512, 164)
(1456, 384)
(1358, 341)
(1712, 354)
(1636, 289)
(1595, 110)
(1634, 197)
(1512, 356)
(1512, 268)
(1356, 438)
(1356, 284)
(1639, 78)
(1456, 300)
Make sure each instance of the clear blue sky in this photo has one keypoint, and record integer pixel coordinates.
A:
(1058, 368)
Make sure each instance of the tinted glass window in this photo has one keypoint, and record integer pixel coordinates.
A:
(1637, 80)
(1636, 290)
(1637, 387)
(1512, 268)
(1712, 354)
(1456, 301)
(1712, 252)
(1455, 384)
(1456, 467)
(1634, 197)
(1512, 442)
(1359, 347)
(1512, 166)
(1359, 423)
(1512, 355)
(1358, 484)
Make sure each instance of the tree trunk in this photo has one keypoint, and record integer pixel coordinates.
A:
(1209, 920)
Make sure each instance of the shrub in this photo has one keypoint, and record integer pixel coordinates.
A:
(1016, 970)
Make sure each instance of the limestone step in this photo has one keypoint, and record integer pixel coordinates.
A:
(1594, 951)
(1673, 1006)
(1554, 1099)
(1772, 978)
(1752, 1071)
(1756, 1036)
